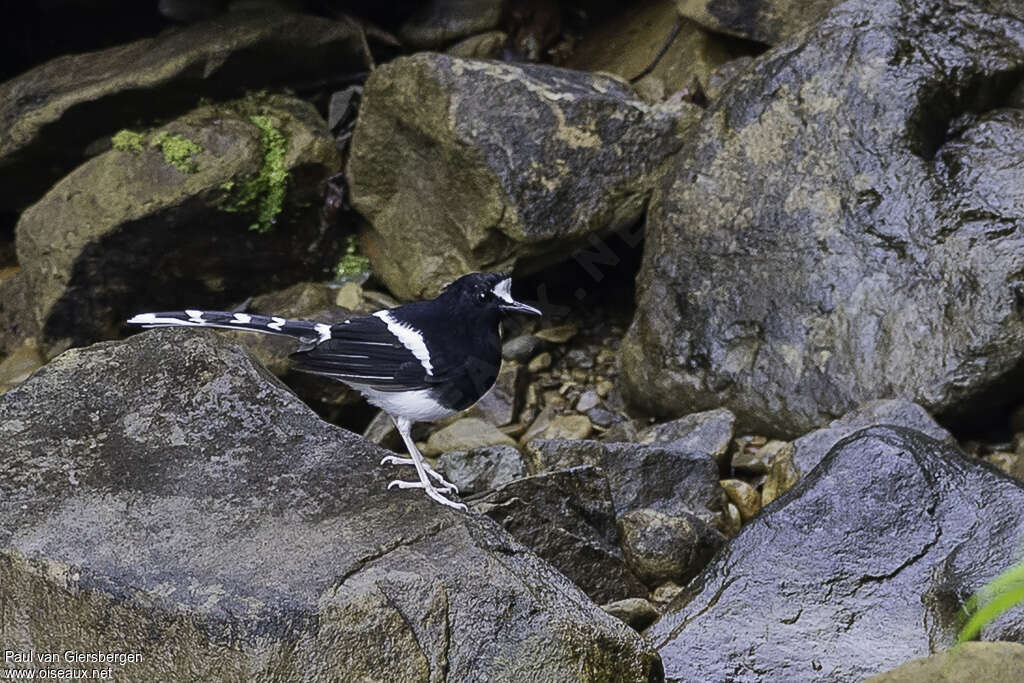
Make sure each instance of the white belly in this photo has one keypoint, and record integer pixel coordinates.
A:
(416, 406)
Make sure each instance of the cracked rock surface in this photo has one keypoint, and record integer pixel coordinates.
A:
(188, 507)
(845, 223)
(868, 558)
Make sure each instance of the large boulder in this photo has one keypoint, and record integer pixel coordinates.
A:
(52, 113)
(162, 222)
(462, 164)
(869, 558)
(187, 507)
(846, 223)
(766, 21)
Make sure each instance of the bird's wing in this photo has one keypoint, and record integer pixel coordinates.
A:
(365, 351)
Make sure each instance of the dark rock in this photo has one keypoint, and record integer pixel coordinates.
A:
(812, 448)
(663, 478)
(844, 224)
(708, 432)
(438, 22)
(766, 21)
(128, 231)
(629, 40)
(661, 548)
(754, 461)
(604, 418)
(16, 320)
(186, 506)
(888, 536)
(482, 469)
(637, 612)
(567, 518)
(51, 113)
(968, 663)
(522, 348)
(586, 154)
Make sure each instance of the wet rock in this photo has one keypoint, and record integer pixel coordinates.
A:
(51, 113)
(811, 448)
(968, 663)
(134, 229)
(766, 21)
(586, 153)
(890, 534)
(629, 40)
(709, 432)
(439, 22)
(567, 518)
(744, 496)
(660, 477)
(781, 477)
(465, 434)
(187, 493)
(660, 548)
(522, 348)
(637, 612)
(893, 199)
(482, 469)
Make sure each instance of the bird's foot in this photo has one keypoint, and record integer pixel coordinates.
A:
(429, 489)
(395, 460)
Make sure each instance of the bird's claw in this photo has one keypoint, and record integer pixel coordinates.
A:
(430, 491)
(445, 484)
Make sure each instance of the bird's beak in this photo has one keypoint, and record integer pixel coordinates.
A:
(514, 306)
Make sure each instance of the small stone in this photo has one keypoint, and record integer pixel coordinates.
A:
(758, 460)
(579, 375)
(782, 476)
(558, 335)
(621, 432)
(18, 366)
(744, 496)
(522, 348)
(1001, 459)
(604, 418)
(731, 522)
(539, 424)
(605, 356)
(554, 399)
(568, 427)
(589, 399)
(486, 45)
(708, 432)
(660, 547)
(464, 435)
(350, 296)
(482, 469)
(666, 593)
(638, 613)
(541, 361)
(578, 358)
(604, 387)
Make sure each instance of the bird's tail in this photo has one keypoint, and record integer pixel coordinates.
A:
(306, 331)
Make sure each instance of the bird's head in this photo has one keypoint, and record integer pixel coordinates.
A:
(491, 292)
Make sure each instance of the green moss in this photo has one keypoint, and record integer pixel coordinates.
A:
(352, 262)
(264, 194)
(127, 141)
(178, 150)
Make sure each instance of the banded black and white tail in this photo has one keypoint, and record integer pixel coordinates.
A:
(309, 333)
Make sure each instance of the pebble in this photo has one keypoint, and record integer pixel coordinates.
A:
(588, 399)
(521, 348)
(604, 387)
(781, 477)
(558, 335)
(17, 367)
(758, 460)
(666, 593)
(350, 296)
(638, 613)
(578, 358)
(541, 361)
(744, 496)
(568, 427)
(465, 435)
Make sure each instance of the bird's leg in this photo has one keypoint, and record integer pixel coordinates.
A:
(404, 426)
(395, 460)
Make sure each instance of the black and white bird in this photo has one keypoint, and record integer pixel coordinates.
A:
(419, 362)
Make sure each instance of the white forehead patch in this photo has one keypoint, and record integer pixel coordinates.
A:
(503, 290)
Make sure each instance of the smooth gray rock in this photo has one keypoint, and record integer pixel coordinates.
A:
(186, 506)
(846, 223)
(567, 518)
(482, 469)
(51, 113)
(810, 449)
(869, 558)
(709, 432)
(660, 477)
(129, 231)
(464, 164)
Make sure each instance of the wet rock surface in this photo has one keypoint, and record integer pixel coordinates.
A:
(888, 535)
(841, 226)
(135, 229)
(493, 210)
(189, 508)
(766, 21)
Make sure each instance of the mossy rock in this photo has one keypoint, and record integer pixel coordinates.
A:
(163, 220)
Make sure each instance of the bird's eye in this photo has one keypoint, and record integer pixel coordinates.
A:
(482, 296)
